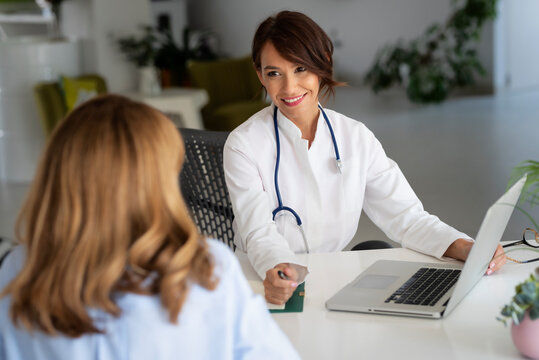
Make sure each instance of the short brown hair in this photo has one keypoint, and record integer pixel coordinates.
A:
(299, 40)
(103, 213)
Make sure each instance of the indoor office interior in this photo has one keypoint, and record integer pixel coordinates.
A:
(457, 150)
(457, 154)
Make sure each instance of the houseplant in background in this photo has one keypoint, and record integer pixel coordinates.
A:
(442, 59)
(157, 48)
(142, 52)
(172, 59)
(530, 192)
(55, 6)
(523, 312)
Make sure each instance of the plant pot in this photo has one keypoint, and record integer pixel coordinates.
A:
(149, 81)
(173, 78)
(525, 337)
(166, 78)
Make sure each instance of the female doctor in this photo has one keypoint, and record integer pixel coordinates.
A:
(299, 175)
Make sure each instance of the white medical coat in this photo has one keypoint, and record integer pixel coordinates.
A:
(328, 202)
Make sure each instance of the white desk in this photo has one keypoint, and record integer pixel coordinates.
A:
(471, 331)
(186, 102)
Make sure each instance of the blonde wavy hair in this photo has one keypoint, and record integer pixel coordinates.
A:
(105, 214)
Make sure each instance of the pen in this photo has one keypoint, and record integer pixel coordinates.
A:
(282, 275)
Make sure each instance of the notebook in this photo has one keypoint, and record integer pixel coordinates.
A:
(294, 304)
(404, 288)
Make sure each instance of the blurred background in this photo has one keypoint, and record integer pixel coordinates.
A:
(457, 102)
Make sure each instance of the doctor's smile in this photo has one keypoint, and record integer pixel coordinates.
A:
(286, 201)
(293, 101)
(290, 83)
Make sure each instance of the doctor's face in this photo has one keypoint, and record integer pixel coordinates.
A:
(292, 87)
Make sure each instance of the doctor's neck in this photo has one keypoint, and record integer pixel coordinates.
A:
(306, 122)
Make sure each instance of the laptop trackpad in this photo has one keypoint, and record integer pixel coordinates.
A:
(376, 281)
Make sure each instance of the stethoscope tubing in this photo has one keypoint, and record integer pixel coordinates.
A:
(280, 206)
(337, 155)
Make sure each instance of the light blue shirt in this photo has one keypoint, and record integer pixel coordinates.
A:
(227, 323)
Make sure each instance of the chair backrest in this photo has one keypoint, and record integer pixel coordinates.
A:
(50, 100)
(50, 104)
(226, 80)
(202, 182)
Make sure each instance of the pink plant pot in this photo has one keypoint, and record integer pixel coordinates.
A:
(526, 337)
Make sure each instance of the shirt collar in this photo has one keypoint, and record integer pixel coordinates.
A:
(290, 130)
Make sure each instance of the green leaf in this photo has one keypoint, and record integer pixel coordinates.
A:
(457, 37)
(520, 316)
(534, 312)
(531, 187)
(529, 287)
(515, 317)
(524, 298)
(503, 320)
(433, 28)
(506, 311)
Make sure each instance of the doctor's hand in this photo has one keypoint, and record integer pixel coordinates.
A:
(278, 290)
(460, 249)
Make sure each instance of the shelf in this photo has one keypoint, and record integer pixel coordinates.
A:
(26, 18)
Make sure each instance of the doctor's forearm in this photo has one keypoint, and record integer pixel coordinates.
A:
(459, 249)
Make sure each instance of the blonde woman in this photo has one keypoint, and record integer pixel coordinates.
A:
(110, 266)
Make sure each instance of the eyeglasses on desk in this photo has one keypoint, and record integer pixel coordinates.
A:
(530, 238)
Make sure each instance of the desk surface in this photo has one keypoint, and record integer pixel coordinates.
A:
(471, 331)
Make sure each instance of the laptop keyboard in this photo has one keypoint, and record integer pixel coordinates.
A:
(425, 287)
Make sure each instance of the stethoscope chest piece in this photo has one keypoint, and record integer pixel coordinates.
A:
(340, 165)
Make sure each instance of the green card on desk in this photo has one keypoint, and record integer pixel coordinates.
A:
(295, 303)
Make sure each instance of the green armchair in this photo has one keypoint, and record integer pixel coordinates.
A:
(50, 100)
(233, 89)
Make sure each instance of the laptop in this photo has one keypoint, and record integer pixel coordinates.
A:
(427, 290)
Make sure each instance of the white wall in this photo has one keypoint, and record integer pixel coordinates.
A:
(94, 21)
(177, 11)
(361, 26)
(23, 63)
(519, 44)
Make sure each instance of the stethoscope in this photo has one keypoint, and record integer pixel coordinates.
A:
(280, 206)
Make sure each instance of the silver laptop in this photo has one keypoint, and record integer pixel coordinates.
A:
(427, 290)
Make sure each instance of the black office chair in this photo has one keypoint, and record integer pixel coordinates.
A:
(202, 182)
(372, 245)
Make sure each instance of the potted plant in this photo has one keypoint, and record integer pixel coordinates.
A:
(530, 192)
(142, 52)
(170, 60)
(523, 311)
(157, 48)
(440, 60)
